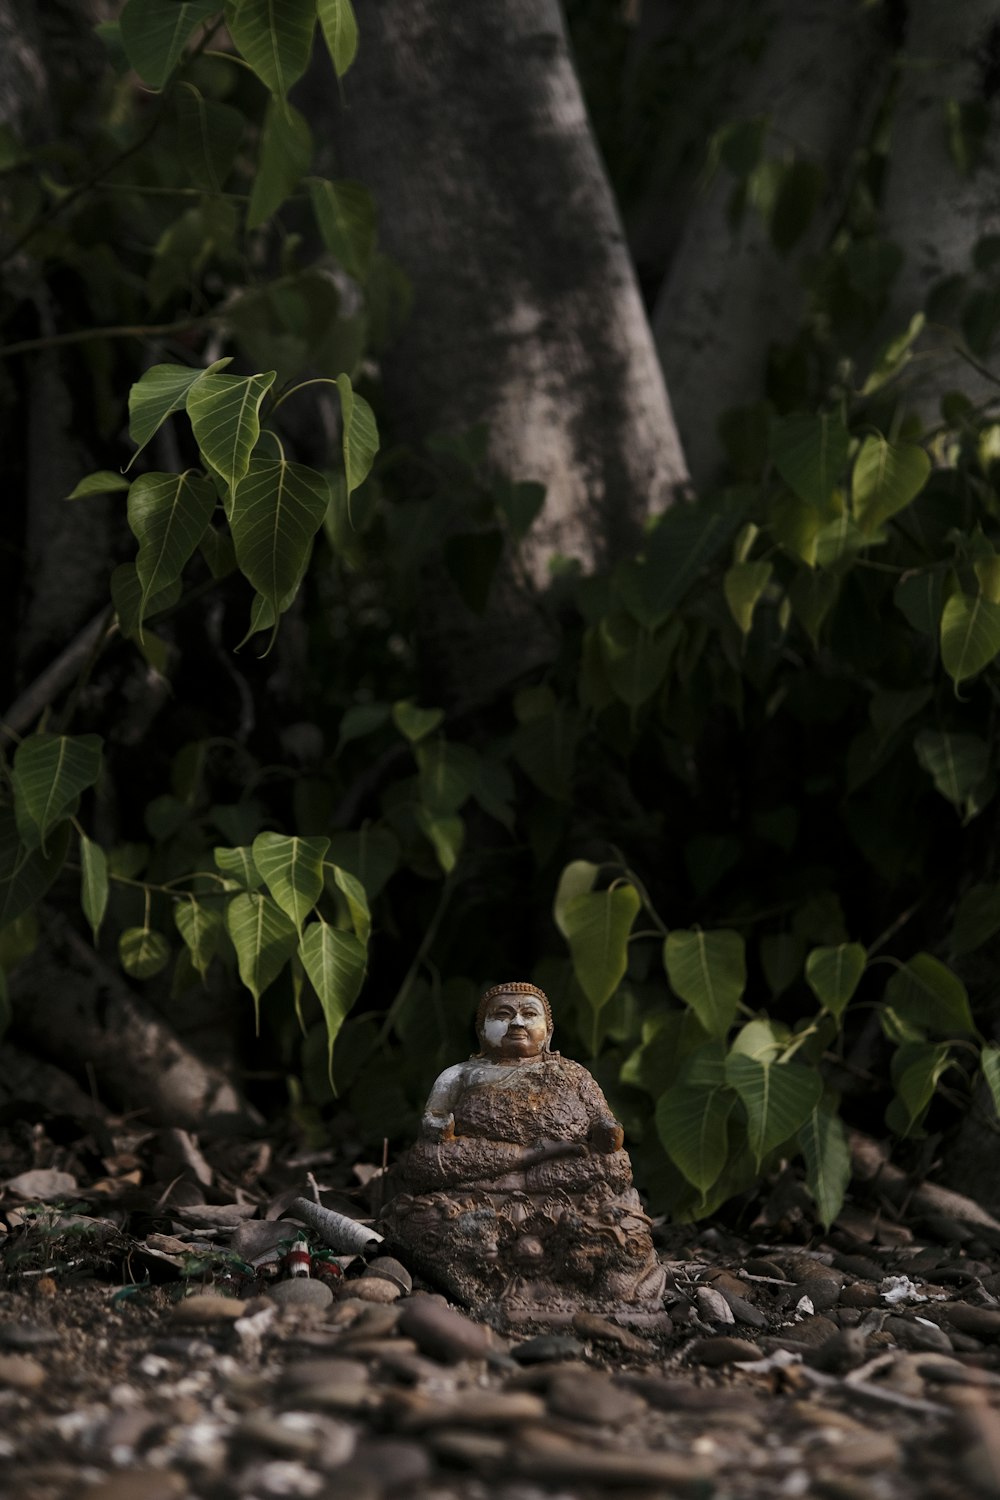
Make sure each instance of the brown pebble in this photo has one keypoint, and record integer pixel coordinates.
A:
(943, 1369)
(21, 1334)
(399, 1357)
(386, 1465)
(45, 1287)
(860, 1294)
(63, 1478)
(911, 1334)
(744, 1312)
(442, 1332)
(764, 1268)
(474, 1449)
(603, 1330)
(681, 1395)
(723, 1351)
(376, 1289)
(314, 1372)
(590, 1396)
(369, 1320)
(540, 1376)
(859, 1265)
(967, 1317)
(245, 1390)
(867, 1450)
(138, 1484)
(713, 1307)
(266, 1430)
(807, 1268)
(337, 1398)
(378, 1348)
(20, 1372)
(843, 1351)
(826, 1416)
(302, 1295)
(392, 1270)
(812, 1330)
(472, 1408)
(127, 1428)
(203, 1307)
(544, 1455)
(182, 1409)
(726, 1282)
(254, 1305)
(822, 1292)
(964, 1343)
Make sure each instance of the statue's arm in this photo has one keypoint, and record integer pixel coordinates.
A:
(606, 1134)
(438, 1121)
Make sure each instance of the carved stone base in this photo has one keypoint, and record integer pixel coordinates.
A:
(537, 1256)
(507, 1319)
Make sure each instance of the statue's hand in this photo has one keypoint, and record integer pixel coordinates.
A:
(606, 1135)
(546, 1150)
(437, 1127)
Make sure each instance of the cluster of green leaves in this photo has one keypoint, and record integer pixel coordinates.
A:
(270, 509)
(204, 200)
(853, 571)
(238, 155)
(832, 607)
(260, 896)
(735, 1090)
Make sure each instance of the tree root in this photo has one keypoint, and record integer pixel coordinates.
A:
(71, 1007)
(871, 1164)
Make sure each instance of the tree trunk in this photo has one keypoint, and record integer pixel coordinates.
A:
(71, 1007)
(728, 293)
(23, 84)
(65, 561)
(933, 210)
(695, 62)
(469, 126)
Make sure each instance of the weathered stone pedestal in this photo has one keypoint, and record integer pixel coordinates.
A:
(517, 1200)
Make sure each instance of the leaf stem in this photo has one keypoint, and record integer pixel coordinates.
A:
(426, 943)
(894, 927)
(232, 57)
(317, 380)
(148, 190)
(662, 930)
(112, 331)
(48, 214)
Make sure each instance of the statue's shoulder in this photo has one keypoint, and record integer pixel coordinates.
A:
(565, 1067)
(572, 1074)
(451, 1076)
(555, 1059)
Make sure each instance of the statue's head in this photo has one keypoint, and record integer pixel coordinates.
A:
(514, 1021)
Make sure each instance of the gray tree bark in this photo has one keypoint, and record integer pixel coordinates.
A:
(934, 212)
(695, 62)
(66, 548)
(469, 126)
(728, 294)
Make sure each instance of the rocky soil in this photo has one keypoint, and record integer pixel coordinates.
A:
(870, 1373)
(143, 1354)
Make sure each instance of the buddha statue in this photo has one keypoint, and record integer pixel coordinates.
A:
(517, 1198)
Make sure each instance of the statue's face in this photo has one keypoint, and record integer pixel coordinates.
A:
(515, 1026)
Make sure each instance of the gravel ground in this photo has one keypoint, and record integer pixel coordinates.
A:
(852, 1370)
(154, 1345)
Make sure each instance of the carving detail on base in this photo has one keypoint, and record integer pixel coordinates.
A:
(517, 1199)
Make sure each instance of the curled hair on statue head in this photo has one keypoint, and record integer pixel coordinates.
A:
(514, 987)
